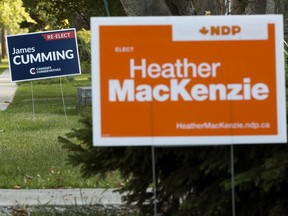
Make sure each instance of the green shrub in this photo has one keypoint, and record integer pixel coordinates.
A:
(178, 171)
(84, 47)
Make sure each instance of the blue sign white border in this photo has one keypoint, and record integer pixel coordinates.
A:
(45, 32)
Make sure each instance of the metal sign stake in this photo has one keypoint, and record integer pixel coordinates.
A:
(33, 103)
(154, 181)
(228, 7)
(106, 8)
(232, 180)
(63, 101)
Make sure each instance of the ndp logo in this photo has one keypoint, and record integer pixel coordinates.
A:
(32, 71)
(220, 30)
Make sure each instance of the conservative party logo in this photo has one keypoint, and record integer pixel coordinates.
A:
(42, 70)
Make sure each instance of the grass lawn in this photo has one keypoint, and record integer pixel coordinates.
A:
(3, 65)
(30, 155)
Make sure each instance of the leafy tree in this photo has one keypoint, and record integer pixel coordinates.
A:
(84, 47)
(12, 13)
(45, 14)
(68, 13)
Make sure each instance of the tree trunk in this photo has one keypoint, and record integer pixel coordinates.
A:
(181, 7)
(0, 46)
(270, 6)
(3, 43)
(238, 7)
(286, 20)
(158, 7)
(204, 7)
(256, 7)
(280, 6)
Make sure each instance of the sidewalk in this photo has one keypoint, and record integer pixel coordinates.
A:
(59, 197)
(7, 90)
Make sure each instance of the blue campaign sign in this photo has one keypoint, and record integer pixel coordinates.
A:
(43, 55)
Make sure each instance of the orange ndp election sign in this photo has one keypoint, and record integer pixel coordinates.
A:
(188, 80)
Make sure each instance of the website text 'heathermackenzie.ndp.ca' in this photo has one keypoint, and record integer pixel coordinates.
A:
(222, 125)
(181, 74)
